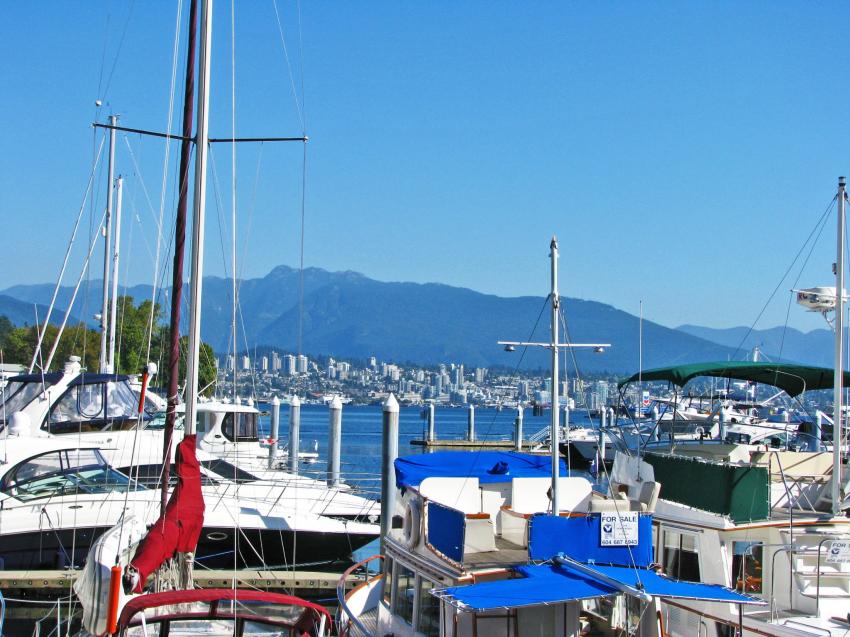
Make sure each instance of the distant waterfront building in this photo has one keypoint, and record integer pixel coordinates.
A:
(290, 364)
(302, 364)
(276, 362)
(246, 363)
(230, 362)
(264, 363)
(373, 362)
(480, 375)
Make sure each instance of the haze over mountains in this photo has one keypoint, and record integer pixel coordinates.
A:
(348, 315)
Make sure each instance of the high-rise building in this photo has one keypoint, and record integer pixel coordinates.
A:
(246, 363)
(302, 364)
(264, 363)
(276, 362)
(480, 375)
(290, 364)
(373, 362)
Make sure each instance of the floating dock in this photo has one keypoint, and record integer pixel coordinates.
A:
(464, 444)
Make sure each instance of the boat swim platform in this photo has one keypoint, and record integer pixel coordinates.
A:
(455, 443)
(312, 581)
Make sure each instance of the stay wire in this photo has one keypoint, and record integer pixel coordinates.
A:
(784, 276)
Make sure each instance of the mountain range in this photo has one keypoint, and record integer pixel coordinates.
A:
(348, 315)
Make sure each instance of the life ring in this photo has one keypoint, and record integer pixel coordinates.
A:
(412, 522)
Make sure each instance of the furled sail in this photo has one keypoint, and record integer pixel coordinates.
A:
(179, 528)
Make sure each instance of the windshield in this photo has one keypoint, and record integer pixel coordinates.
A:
(17, 395)
(228, 471)
(65, 472)
(93, 407)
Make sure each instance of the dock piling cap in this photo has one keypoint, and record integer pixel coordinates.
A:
(295, 402)
(336, 403)
(391, 406)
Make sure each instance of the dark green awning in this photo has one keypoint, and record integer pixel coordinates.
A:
(793, 379)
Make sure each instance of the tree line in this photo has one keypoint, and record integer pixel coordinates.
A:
(132, 344)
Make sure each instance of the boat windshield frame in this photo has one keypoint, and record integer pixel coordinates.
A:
(62, 472)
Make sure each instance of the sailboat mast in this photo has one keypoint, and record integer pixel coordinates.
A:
(555, 376)
(179, 250)
(199, 210)
(839, 353)
(113, 302)
(107, 255)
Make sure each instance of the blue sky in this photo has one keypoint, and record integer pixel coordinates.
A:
(681, 152)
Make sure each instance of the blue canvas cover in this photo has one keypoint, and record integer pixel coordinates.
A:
(555, 584)
(538, 585)
(487, 466)
(578, 538)
(446, 527)
(661, 586)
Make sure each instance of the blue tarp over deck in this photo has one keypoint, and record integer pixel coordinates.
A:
(487, 466)
(554, 584)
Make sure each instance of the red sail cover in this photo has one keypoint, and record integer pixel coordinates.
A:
(179, 528)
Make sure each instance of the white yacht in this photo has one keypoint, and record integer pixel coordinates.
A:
(59, 494)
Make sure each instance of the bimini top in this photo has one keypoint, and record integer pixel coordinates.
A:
(792, 379)
(554, 584)
(487, 466)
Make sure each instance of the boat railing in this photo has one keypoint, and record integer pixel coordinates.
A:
(361, 599)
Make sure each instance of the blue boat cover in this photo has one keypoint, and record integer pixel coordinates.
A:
(538, 585)
(487, 466)
(578, 538)
(553, 584)
(661, 586)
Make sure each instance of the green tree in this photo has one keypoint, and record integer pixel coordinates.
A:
(131, 346)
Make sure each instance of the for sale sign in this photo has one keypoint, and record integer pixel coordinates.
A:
(838, 552)
(618, 529)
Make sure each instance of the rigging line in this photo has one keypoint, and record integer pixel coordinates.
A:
(166, 157)
(118, 52)
(68, 251)
(280, 32)
(83, 272)
(822, 222)
(784, 276)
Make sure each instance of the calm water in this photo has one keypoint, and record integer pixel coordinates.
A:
(361, 434)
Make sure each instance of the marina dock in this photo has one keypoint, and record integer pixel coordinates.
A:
(464, 444)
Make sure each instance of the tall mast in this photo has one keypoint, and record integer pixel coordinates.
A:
(179, 250)
(839, 359)
(195, 277)
(113, 303)
(555, 376)
(107, 256)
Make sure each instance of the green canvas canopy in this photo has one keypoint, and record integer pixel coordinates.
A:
(791, 378)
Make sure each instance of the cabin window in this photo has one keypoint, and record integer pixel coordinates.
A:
(429, 610)
(228, 471)
(90, 406)
(681, 556)
(246, 427)
(388, 580)
(747, 566)
(405, 589)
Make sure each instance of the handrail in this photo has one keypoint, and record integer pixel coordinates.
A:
(341, 597)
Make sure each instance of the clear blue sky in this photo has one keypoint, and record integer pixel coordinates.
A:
(680, 151)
